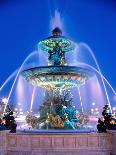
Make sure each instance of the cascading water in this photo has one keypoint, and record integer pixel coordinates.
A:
(30, 55)
(81, 100)
(94, 69)
(95, 60)
(32, 99)
(8, 79)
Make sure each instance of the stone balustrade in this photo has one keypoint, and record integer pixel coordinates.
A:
(57, 144)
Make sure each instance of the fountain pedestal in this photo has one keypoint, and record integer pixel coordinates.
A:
(57, 144)
(113, 141)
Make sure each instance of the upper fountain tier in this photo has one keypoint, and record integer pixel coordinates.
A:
(57, 75)
(56, 45)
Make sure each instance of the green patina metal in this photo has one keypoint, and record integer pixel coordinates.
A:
(50, 43)
(62, 77)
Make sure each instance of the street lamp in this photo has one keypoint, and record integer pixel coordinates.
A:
(96, 109)
(113, 108)
(93, 103)
(5, 100)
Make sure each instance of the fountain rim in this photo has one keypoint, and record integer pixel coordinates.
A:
(57, 77)
(60, 69)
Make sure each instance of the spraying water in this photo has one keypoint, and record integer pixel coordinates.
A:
(98, 67)
(32, 99)
(100, 75)
(20, 69)
(8, 79)
(56, 21)
(80, 100)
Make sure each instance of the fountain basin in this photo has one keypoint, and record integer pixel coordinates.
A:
(49, 43)
(57, 77)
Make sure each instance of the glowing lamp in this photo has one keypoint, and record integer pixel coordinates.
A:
(5, 100)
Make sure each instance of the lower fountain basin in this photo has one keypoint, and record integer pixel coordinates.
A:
(57, 77)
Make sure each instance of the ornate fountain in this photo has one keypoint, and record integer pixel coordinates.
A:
(57, 110)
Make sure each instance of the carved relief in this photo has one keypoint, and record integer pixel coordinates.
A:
(69, 142)
(23, 141)
(81, 141)
(35, 142)
(45, 142)
(93, 141)
(12, 141)
(58, 142)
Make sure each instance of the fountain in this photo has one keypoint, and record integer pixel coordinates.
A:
(57, 102)
(57, 110)
(61, 88)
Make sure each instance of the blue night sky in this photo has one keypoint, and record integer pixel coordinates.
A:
(24, 23)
